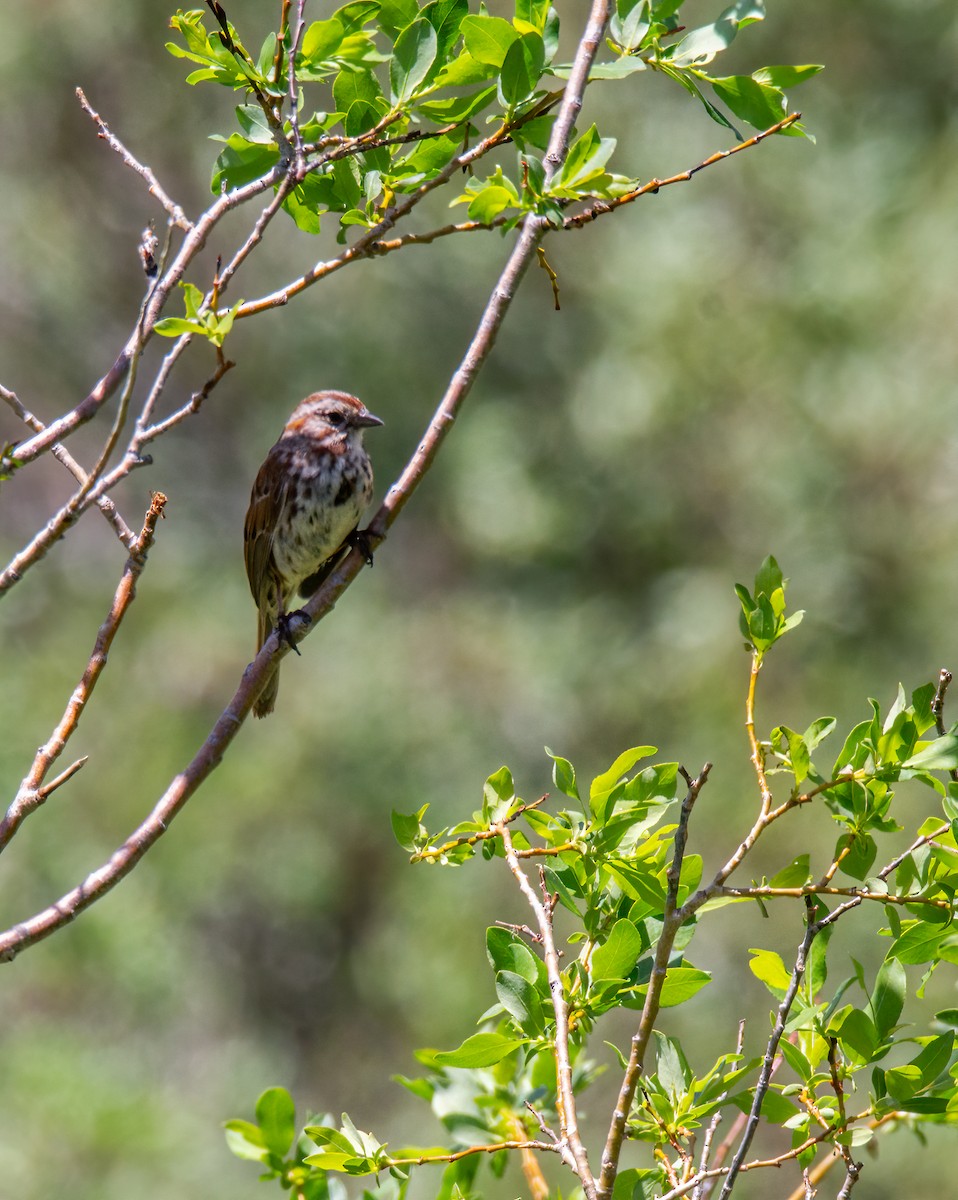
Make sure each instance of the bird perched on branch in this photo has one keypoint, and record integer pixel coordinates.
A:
(305, 505)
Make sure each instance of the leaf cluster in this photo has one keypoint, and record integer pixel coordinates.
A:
(852, 1058)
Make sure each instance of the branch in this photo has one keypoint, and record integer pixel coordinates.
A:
(32, 793)
(568, 1119)
(757, 756)
(62, 455)
(14, 940)
(672, 921)
(176, 214)
(193, 243)
(812, 928)
(938, 710)
(600, 207)
(93, 493)
(424, 1159)
(814, 889)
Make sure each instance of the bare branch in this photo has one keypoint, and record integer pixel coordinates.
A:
(32, 793)
(62, 455)
(176, 214)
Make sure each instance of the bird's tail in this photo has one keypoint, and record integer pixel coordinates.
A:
(266, 701)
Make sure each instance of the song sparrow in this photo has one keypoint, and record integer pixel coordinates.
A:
(306, 503)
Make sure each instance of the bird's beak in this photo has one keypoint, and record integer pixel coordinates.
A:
(365, 419)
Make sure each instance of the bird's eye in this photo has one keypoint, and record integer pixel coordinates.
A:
(336, 419)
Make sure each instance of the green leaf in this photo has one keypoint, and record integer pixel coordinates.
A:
(245, 1140)
(603, 784)
(500, 787)
(395, 15)
(521, 1000)
(490, 202)
(638, 1183)
(465, 70)
(939, 755)
(480, 1050)
(681, 984)
(350, 86)
(586, 159)
(760, 104)
(786, 77)
(276, 1116)
(701, 45)
(521, 69)
(241, 162)
(507, 952)
(769, 578)
(356, 14)
(175, 326)
(445, 16)
(563, 772)
(862, 851)
(818, 731)
(858, 1036)
(919, 943)
(796, 1060)
(254, 124)
(767, 966)
(456, 108)
(322, 39)
(488, 38)
(794, 875)
(888, 997)
(617, 956)
(671, 1067)
(630, 23)
(406, 827)
(413, 57)
(934, 1058)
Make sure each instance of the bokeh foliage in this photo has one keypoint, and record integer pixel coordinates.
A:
(762, 358)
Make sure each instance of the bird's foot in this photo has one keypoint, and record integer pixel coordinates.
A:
(361, 540)
(287, 624)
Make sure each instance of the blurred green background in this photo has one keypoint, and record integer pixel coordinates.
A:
(763, 359)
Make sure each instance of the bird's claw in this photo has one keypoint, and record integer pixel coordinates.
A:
(286, 624)
(361, 540)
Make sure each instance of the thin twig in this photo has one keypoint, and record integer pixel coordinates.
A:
(292, 90)
(815, 889)
(672, 920)
(812, 929)
(601, 206)
(517, 1144)
(176, 214)
(700, 1191)
(568, 1119)
(757, 754)
(31, 793)
(63, 455)
(938, 710)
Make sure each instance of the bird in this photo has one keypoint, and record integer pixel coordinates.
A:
(307, 499)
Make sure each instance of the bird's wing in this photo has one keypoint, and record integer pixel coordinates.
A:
(266, 503)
